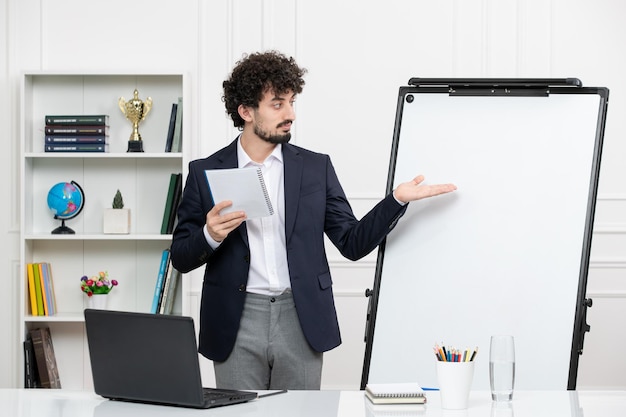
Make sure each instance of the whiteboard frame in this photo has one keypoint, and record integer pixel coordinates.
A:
(510, 88)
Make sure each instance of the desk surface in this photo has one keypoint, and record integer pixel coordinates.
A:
(65, 403)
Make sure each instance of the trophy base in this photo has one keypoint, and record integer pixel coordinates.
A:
(135, 146)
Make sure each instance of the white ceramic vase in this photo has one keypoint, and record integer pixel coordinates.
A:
(98, 301)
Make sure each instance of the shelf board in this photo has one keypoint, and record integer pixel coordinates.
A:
(131, 236)
(137, 72)
(57, 318)
(105, 155)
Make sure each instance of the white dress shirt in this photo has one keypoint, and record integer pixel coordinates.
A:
(269, 272)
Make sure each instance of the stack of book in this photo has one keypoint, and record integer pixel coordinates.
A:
(40, 366)
(174, 194)
(173, 141)
(80, 133)
(41, 289)
(166, 286)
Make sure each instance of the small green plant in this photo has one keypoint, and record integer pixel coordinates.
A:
(118, 201)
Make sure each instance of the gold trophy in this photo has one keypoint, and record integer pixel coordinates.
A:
(135, 110)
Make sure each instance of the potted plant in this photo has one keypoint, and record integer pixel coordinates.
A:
(97, 288)
(117, 218)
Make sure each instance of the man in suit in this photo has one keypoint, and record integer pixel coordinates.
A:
(267, 312)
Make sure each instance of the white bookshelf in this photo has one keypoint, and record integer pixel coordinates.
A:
(142, 178)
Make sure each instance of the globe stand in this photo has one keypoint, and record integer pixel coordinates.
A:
(63, 229)
(68, 199)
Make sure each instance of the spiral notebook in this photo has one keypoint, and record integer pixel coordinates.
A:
(245, 187)
(398, 393)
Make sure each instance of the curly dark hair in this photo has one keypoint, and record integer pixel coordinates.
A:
(253, 75)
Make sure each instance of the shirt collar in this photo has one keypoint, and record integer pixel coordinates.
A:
(244, 160)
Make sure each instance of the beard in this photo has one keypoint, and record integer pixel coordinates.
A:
(274, 139)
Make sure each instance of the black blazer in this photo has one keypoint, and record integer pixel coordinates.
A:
(314, 204)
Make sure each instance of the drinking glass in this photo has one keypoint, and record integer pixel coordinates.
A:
(502, 367)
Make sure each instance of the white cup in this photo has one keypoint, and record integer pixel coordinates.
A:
(502, 367)
(455, 381)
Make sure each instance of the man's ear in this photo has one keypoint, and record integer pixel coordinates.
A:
(244, 113)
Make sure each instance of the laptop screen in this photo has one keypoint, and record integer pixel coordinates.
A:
(146, 358)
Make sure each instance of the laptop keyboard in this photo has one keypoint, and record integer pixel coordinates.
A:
(213, 395)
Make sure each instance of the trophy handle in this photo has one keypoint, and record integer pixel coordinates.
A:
(147, 107)
(122, 104)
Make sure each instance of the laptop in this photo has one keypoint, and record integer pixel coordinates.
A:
(150, 358)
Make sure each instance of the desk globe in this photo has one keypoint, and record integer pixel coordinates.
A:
(66, 201)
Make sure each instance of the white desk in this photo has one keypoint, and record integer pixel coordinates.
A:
(64, 403)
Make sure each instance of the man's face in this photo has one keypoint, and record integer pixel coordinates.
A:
(273, 118)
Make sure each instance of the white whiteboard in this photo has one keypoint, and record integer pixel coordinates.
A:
(503, 253)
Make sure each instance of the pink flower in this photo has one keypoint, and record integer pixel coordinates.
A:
(98, 284)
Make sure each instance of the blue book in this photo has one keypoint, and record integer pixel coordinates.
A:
(49, 289)
(158, 288)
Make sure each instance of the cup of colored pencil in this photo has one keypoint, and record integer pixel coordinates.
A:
(451, 354)
(455, 373)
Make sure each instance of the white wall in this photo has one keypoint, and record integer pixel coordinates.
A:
(358, 53)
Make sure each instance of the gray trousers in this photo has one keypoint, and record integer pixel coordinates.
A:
(271, 351)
